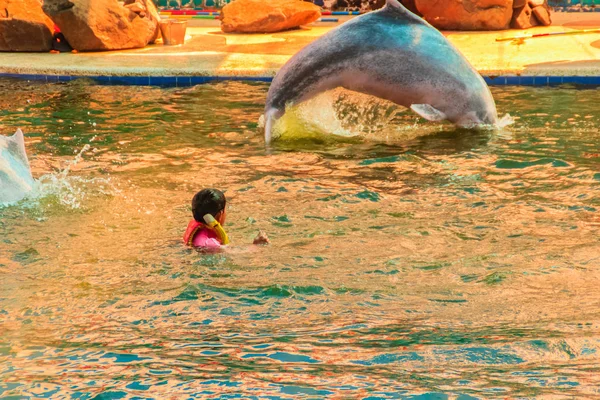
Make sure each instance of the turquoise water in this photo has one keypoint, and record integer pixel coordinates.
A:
(424, 262)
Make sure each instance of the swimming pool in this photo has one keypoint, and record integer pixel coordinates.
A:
(422, 262)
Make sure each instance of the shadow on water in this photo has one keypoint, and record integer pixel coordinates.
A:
(454, 141)
(447, 141)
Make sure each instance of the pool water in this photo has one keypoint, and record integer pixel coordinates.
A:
(422, 262)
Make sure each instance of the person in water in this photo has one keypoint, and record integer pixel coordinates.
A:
(206, 229)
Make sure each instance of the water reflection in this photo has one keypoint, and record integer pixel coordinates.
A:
(450, 262)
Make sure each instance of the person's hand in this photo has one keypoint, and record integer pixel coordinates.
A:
(261, 238)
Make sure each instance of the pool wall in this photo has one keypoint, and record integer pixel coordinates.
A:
(186, 81)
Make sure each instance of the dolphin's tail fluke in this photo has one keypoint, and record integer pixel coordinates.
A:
(270, 118)
(15, 175)
(17, 143)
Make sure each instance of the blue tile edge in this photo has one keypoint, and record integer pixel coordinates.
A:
(541, 80)
(186, 81)
(162, 81)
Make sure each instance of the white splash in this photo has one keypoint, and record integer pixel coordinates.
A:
(337, 112)
(68, 190)
(505, 121)
(16, 181)
(348, 114)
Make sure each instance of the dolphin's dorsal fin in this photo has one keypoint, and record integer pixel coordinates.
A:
(394, 4)
(399, 11)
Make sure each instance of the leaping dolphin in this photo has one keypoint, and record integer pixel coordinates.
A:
(392, 54)
(15, 176)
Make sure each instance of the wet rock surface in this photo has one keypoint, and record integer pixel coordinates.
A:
(256, 16)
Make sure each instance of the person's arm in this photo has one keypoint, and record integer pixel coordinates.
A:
(212, 244)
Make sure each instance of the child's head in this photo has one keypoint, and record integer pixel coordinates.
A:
(209, 201)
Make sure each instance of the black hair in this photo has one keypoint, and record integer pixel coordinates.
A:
(207, 201)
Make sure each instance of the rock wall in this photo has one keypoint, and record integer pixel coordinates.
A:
(443, 14)
(470, 15)
(24, 26)
(256, 16)
(93, 25)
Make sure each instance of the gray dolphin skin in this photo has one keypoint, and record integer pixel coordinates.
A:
(15, 176)
(392, 54)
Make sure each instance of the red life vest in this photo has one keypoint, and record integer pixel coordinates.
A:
(193, 228)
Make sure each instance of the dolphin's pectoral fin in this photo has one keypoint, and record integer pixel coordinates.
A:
(428, 112)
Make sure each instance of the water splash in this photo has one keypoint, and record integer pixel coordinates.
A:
(505, 121)
(69, 191)
(337, 112)
(345, 114)
(17, 183)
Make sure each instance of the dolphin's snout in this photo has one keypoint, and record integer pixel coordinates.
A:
(271, 116)
(476, 119)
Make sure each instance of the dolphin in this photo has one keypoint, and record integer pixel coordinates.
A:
(15, 176)
(392, 54)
